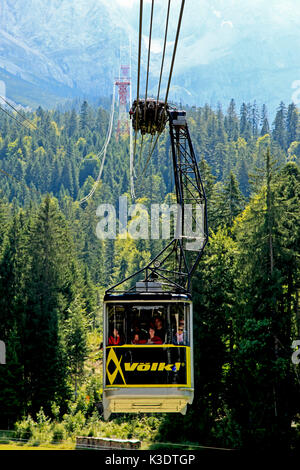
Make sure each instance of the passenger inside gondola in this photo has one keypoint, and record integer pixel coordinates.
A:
(130, 325)
(115, 338)
(153, 338)
(180, 336)
(137, 339)
(136, 329)
(159, 329)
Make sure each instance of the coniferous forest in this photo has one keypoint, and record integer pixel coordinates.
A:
(54, 271)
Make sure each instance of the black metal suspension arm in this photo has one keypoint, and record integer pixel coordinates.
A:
(189, 187)
(175, 265)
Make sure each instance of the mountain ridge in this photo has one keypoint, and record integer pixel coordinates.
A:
(227, 50)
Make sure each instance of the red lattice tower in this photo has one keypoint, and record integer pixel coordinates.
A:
(123, 83)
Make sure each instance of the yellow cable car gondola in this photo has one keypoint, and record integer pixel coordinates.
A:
(148, 338)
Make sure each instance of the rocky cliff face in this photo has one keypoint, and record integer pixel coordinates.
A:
(61, 48)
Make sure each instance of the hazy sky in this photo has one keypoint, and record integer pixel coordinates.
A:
(209, 25)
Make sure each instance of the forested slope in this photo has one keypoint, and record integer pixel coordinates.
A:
(54, 269)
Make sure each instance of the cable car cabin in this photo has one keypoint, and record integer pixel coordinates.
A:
(148, 353)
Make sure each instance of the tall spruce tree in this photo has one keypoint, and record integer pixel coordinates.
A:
(279, 130)
(13, 268)
(228, 202)
(232, 122)
(49, 293)
(292, 124)
(262, 386)
(265, 128)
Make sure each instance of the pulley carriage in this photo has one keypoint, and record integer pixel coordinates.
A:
(149, 117)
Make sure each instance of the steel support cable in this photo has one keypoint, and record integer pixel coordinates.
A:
(149, 156)
(103, 151)
(42, 132)
(149, 53)
(147, 78)
(107, 138)
(174, 52)
(131, 166)
(138, 76)
(159, 85)
(20, 182)
(150, 146)
(170, 73)
(27, 128)
(151, 150)
(18, 112)
(23, 117)
(131, 169)
(14, 118)
(163, 54)
(33, 125)
(169, 79)
(148, 159)
(140, 153)
(8, 174)
(99, 154)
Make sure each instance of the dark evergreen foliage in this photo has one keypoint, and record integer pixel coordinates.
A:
(53, 266)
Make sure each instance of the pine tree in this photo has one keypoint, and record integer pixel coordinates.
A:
(245, 126)
(213, 289)
(13, 268)
(262, 373)
(243, 177)
(89, 295)
(75, 339)
(292, 124)
(232, 123)
(279, 131)
(228, 202)
(67, 177)
(12, 400)
(73, 123)
(12, 296)
(4, 214)
(221, 133)
(109, 254)
(48, 295)
(265, 128)
(254, 119)
(207, 177)
(84, 116)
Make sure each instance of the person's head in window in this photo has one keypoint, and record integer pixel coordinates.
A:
(135, 327)
(179, 335)
(115, 337)
(138, 339)
(153, 338)
(159, 329)
(158, 323)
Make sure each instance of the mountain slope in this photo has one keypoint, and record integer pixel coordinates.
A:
(227, 49)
